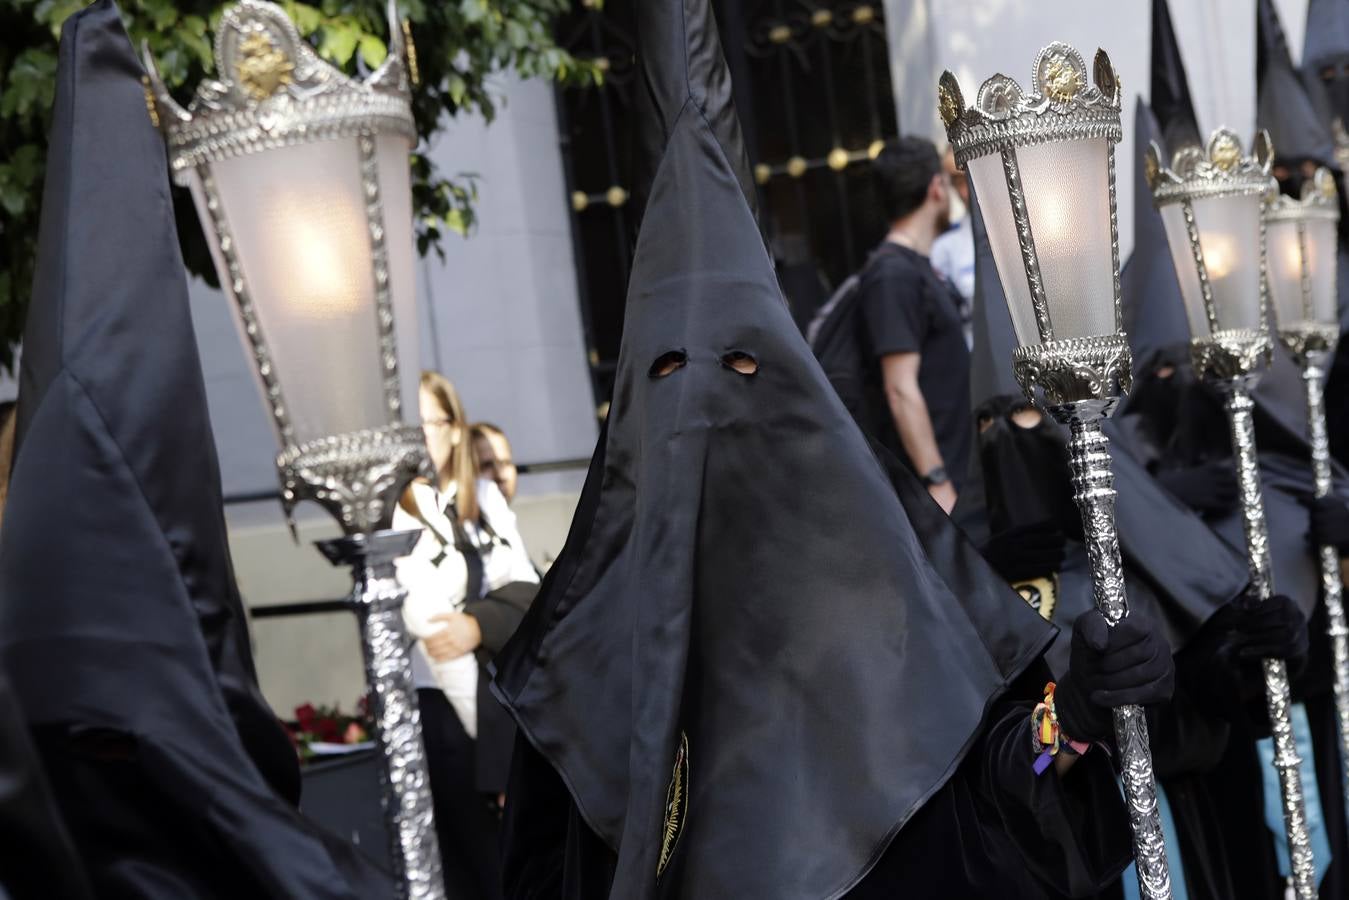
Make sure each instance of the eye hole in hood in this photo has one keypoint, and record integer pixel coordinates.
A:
(668, 363)
(740, 362)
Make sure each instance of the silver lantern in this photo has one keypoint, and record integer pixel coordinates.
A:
(1210, 201)
(1301, 243)
(1043, 167)
(301, 180)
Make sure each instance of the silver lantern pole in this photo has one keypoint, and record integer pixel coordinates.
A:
(1043, 167)
(1301, 245)
(1210, 201)
(301, 180)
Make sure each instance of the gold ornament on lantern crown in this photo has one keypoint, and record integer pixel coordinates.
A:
(262, 68)
(1062, 80)
(1062, 106)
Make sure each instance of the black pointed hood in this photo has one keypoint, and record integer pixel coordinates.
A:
(1150, 298)
(1325, 55)
(734, 533)
(118, 607)
(1170, 89)
(1283, 106)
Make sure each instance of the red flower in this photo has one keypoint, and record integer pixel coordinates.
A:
(305, 715)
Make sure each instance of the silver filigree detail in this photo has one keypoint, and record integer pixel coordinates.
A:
(1237, 353)
(1332, 585)
(1221, 169)
(1277, 695)
(357, 477)
(1114, 244)
(1094, 492)
(1201, 268)
(379, 258)
(377, 600)
(1062, 107)
(234, 284)
(1319, 200)
(1095, 368)
(1030, 260)
(274, 91)
(1307, 339)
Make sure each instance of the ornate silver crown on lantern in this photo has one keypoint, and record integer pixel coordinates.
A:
(1210, 202)
(1043, 166)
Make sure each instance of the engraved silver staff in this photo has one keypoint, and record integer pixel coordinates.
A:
(301, 179)
(1210, 200)
(1043, 167)
(1301, 236)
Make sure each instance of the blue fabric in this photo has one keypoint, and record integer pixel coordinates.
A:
(1316, 826)
(1172, 840)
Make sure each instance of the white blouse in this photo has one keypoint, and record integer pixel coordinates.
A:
(436, 578)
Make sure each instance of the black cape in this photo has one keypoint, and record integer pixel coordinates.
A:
(120, 621)
(752, 652)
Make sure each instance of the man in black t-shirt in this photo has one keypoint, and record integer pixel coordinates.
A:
(916, 365)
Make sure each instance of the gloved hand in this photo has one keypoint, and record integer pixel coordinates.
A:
(1330, 523)
(1030, 551)
(1108, 667)
(1209, 488)
(1274, 628)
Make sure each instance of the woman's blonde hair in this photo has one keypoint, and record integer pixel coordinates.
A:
(462, 465)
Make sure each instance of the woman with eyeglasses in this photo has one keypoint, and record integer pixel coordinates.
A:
(469, 582)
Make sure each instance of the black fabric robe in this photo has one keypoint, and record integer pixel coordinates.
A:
(981, 835)
(120, 621)
(757, 660)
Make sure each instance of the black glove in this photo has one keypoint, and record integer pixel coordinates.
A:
(1031, 551)
(1273, 628)
(1330, 523)
(1108, 667)
(1209, 488)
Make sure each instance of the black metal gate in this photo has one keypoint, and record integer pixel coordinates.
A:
(812, 87)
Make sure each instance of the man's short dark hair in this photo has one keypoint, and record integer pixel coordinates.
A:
(902, 173)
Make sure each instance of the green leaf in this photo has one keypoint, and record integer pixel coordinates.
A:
(53, 13)
(338, 42)
(373, 50)
(457, 88)
(456, 221)
(162, 13)
(307, 19)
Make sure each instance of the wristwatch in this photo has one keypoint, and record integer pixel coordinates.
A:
(935, 475)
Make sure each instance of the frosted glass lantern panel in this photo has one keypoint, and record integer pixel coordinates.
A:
(1229, 235)
(1067, 186)
(1067, 195)
(990, 189)
(395, 191)
(298, 220)
(1284, 253)
(1322, 248)
(1182, 257)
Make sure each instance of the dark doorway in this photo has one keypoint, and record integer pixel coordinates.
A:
(812, 87)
